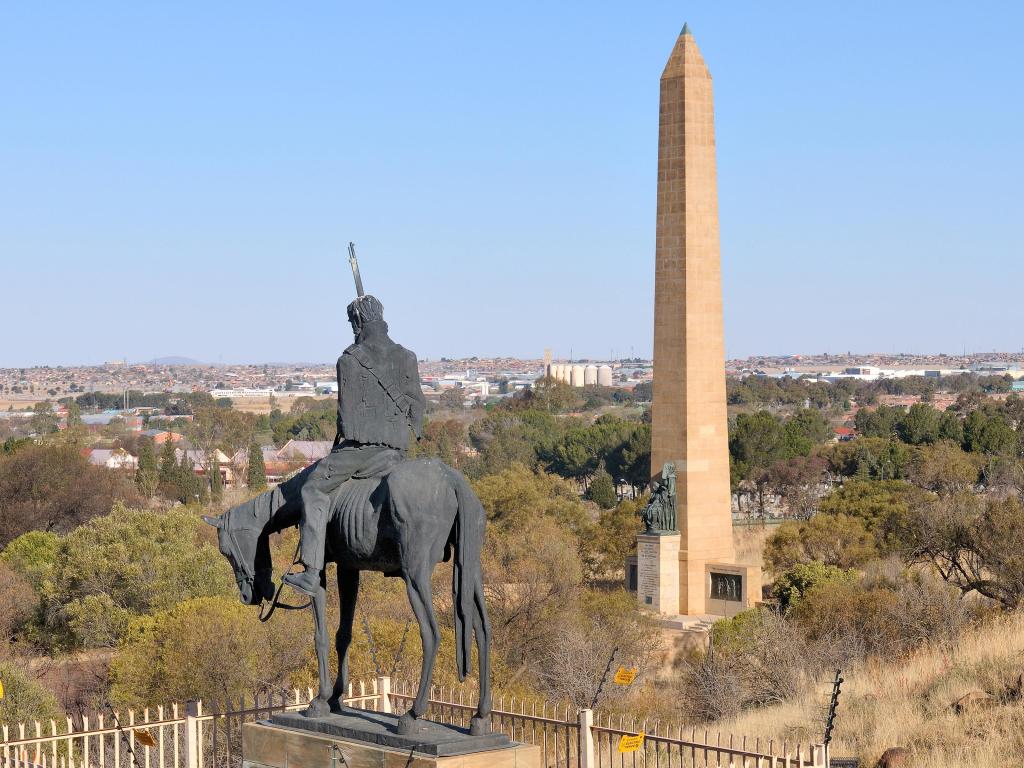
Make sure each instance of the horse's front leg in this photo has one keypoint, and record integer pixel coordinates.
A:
(319, 706)
(348, 591)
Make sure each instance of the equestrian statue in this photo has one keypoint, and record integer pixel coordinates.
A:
(365, 507)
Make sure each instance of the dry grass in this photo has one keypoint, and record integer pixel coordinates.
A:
(262, 405)
(909, 704)
(18, 405)
(748, 541)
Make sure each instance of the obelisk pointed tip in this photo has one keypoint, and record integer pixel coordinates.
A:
(686, 30)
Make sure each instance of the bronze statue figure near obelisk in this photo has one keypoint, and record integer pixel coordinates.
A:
(688, 570)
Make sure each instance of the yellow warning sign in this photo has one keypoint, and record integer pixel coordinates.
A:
(631, 743)
(625, 676)
(1, 689)
(144, 737)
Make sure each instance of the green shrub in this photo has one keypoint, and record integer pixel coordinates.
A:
(794, 583)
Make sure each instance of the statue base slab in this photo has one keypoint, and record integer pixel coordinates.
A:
(370, 739)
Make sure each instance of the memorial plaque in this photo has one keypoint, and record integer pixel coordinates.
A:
(726, 586)
(647, 571)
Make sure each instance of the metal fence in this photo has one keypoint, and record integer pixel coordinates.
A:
(195, 735)
(555, 729)
(675, 747)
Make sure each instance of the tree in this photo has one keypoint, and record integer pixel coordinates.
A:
(18, 601)
(209, 647)
(168, 471)
(74, 415)
(806, 429)
(634, 458)
(988, 432)
(444, 438)
(756, 442)
(944, 468)
(798, 481)
(867, 458)
(878, 422)
(514, 435)
(797, 581)
(885, 507)
(24, 699)
(832, 539)
(602, 489)
(147, 475)
(606, 623)
(216, 483)
(54, 488)
(454, 399)
(613, 539)
(44, 420)
(533, 575)
(256, 471)
(552, 396)
(32, 555)
(125, 564)
(974, 543)
(516, 496)
(224, 429)
(951, 427)
(920, 425)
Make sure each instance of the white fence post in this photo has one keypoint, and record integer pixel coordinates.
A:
(192, 746)
(384, 694)
(585, 718)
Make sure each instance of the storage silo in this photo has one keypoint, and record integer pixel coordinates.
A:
(590, 375)
(566, 374)
(604, 375)
(578, 375)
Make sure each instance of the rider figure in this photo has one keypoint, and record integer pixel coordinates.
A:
(379, 400)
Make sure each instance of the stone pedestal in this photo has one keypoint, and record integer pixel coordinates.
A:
(267, 745)
(657, 566)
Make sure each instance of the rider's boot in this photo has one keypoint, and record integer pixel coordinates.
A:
(307, 582)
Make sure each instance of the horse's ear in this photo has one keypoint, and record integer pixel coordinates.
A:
(216, 522)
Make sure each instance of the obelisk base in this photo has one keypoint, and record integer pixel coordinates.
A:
(657, 561)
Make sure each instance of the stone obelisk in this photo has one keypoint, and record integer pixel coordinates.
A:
(689, 419)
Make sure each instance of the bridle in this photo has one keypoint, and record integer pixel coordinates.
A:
(248, 574)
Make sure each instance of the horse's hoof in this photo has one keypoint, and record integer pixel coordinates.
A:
(317, 708)
(409, 725)
(479, 726)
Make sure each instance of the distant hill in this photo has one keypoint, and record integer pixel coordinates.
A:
(174, 360)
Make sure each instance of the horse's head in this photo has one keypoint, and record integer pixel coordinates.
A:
(247, 547)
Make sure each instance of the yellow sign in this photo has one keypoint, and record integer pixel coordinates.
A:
(631, 743)
(1, 689)
(625, 676)
(144, 737)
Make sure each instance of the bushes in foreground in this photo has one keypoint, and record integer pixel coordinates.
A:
(827, 618)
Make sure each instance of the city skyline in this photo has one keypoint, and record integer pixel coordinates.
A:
(156, 201)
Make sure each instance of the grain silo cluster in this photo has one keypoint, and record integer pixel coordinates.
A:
(579, 375)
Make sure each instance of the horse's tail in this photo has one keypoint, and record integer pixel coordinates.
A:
(467, 580)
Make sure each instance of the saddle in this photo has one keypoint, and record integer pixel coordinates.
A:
(357, 510)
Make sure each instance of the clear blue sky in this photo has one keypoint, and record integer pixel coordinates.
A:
(182, 178)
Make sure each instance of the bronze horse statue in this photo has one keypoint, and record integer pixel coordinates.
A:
(402, 524)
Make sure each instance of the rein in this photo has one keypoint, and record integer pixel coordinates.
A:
(275, 602)
(266, 613)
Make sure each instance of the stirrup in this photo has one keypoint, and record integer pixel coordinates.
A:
(266, 613)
